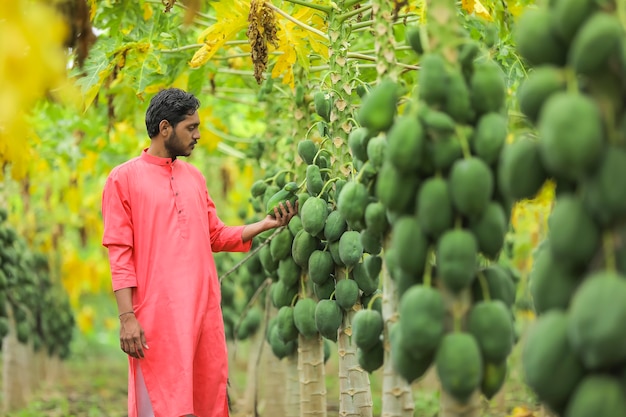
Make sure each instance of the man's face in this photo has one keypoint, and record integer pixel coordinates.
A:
(184, 137)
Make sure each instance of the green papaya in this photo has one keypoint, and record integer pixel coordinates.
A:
(361, 276)
(357, 142)
(443, 152)
(534, 90)
(346, 293)
(396, 190)
(314, 181)
(572, 135)
(282, 295)
(491, 324)
(458, 100)
(597, 395)
(433, 79)
(457, 259)
(328, 318)
(521, 173)
(551, 368)
(459, 365)
(304, 317)
(376, 150)
(489, 137)
(574, 237)
(568, 17)
(307, 149)
(471, 185)
(487, 87)
(303, 246)
(367, 328)
(595, 43)
(313, 214)
(414, 39)
(352, 201)
(376, 218)
(350, 247)
(404, 360)
(335, 226)
(434, 207)
(490, 230)
(285, 324)
(372, 359)
(411, 245)
(605, 201)
(280, 245)
(422, 319)
(324, 291)
(258, 188)
(596, 318)
(322, 103)
(536, 40)
(378, 109)
(321, 266)
(494, 376)
(405, 144)
(289, 272)
(280, 349)
(281, 196)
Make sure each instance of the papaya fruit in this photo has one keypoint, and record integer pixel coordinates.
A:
(378, 110)
(521, 173)
(361, 276)
(376, 150)
(536, 39)
(436, 123)
(490, 230)
(572, 136)
(350, 247)
(358, 139)
(376, 218)
(304, 317)
(371, 242)
(433, 79)
(487, 87)
(367, 328)
(321, 266)
(280, 245)
(307, 149)
(443, 152)
(303, 246)
(414, 39)
(458, 102)
(314, 181)
(396, 190)
(313, 214)
(471, 185)
(596, 318)
(605, 201)
(328, 318)
(333, 248)
(597, 395)
(268, 262)
(599, 39)
(282, 295)
(258, 188)
(281, 196)
(285, 324)
(280, 349)
(568, 17)
(409, 365)
(288, 272)
(534, 90)
(373, 265)
(352, 201)
(295, 224)
(434, 207)
(324, 291)
(494, 376)
(489, 137)
(552, 284)
(551, 368)
(405, 144)
(411, 245)
(422, 313)
(346, 293)
(322, 103)
(574, 237)
(335, 226)
(459, 365)
(457, 259)
(372, 359)
(491, 324)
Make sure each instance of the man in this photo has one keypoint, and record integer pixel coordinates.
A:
(161, 229)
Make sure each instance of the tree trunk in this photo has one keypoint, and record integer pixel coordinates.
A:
(13, 376)
(355, 395)
(273, 386)
(312, 376)
(397, 398)
(292, 388)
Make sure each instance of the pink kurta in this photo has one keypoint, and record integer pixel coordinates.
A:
(161, 229)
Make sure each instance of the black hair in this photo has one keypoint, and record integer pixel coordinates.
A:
(171, 104)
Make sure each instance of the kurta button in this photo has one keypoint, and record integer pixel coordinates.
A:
(180, 211)
(172, 177)
(176, 193)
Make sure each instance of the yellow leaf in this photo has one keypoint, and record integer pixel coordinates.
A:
(482, 11)
(147, 11)
(468, 6)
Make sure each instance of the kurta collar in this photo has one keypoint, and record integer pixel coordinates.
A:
(156, 160)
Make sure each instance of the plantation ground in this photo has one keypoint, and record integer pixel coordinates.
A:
(92, 383)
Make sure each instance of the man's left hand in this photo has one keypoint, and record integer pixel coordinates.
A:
(282, 214)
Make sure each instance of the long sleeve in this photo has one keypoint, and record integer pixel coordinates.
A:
(224, 238)
(118, 232)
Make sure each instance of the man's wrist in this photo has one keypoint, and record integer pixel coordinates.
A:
(126, 313)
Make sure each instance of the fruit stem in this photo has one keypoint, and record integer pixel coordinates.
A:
(484, 287)
(464, 144)
(608, 246)
(428, 278)
(371, 302)
(571, 81)
(326, 184)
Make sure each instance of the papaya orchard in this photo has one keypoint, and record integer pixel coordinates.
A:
(425, 144)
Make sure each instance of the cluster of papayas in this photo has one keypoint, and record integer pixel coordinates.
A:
(40, 309)
(575, 96)
(433, 169)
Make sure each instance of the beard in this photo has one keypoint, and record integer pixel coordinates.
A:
(175, 147)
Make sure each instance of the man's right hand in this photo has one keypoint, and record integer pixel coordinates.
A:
(132, 337)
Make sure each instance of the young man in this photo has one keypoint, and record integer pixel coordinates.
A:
(161, 229)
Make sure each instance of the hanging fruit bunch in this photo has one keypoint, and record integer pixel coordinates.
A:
(575, 97)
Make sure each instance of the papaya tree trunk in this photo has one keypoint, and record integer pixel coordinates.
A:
(397, 400)
(292, 387)
(273, 384)
(355, 395)
(312, 376)
(450, 407)
(249, 401)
